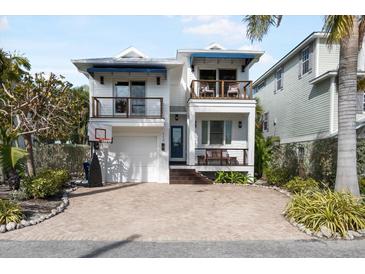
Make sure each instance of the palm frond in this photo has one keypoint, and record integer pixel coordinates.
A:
(338, 27)
(259, 25)
(361, 30)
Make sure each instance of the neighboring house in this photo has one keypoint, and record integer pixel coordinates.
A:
(194, 111)
(299, 94)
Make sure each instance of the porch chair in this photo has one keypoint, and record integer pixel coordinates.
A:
(233, 90)
(205, 90)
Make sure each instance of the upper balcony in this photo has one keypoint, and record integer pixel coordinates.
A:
(127, 107)
(221, 89)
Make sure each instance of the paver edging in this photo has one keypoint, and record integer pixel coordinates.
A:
(24, 223)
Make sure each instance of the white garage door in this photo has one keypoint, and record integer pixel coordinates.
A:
(132, 159)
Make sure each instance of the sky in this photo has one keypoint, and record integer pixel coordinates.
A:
(50, 42)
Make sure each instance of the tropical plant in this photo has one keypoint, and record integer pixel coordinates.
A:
(12, 67)
(47, 183)
(337, 211)
(298, 185)
(348, 31)
(277, 175)
(233, 177)
(263, 146)
(9, 212)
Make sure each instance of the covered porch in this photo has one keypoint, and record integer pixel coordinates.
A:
(221, 138)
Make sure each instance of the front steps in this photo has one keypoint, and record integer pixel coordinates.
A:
(188, 177)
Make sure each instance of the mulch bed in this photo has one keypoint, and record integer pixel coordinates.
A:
(33, 207)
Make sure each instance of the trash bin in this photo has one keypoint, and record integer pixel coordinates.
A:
(86, 170)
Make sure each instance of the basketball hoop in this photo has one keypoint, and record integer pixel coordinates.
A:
(104, 140)
(100, 133)
(100, 136)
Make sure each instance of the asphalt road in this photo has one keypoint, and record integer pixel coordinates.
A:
(222, 249)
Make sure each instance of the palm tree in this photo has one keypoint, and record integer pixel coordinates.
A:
(348, 31)
(12, 66)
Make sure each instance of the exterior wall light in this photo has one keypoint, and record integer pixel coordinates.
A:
(102, 80)
(239, 124)
(176, 117)
(158, 81)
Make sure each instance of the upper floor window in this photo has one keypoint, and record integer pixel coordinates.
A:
(305, 65)
(265, 124)
(279, 79)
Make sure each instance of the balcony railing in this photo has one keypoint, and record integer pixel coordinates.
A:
(127, 107)
(228, 89)
(221, 157)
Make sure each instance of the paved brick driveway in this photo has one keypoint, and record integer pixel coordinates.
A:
(160, 212)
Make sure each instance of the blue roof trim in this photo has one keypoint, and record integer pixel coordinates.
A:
(141, 70)
(222, 55)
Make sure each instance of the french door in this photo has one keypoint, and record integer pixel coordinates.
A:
(125, 105)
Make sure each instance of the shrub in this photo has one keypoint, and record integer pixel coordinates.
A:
(19, 195)
(362, 185)
(9, 212)
(277, 176)
(336, 211)
(233, 177)
(297, 185)
(47, 183)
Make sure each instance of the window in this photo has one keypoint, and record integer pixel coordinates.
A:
(266, 122)
(228, 131)
(216, 132)
(305, 60)
(204, 132)
(132, 89)
(363, 102)
(279, 79)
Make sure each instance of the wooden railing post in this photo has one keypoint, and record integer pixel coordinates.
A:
(250, 96)
(206, 157)
(222, 87)
(97, 108)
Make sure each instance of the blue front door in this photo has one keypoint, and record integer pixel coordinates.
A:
(177, 142)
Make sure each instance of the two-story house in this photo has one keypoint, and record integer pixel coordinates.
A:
(300, 92)
(193, 112)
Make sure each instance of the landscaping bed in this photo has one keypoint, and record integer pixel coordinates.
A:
(38, 198)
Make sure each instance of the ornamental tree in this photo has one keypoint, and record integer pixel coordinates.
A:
(41, 106)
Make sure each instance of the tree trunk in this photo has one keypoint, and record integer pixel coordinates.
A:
(346, 175)
(30, 158)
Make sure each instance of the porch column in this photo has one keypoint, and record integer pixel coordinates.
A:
(191, 138)
(251, 140)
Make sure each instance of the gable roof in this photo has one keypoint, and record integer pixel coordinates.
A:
(215, 46)
(290, 54)
(131, 52)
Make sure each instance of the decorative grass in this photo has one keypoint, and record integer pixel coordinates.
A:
(337, 211)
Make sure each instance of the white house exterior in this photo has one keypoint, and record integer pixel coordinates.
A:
(299, 94)
(194, 111)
